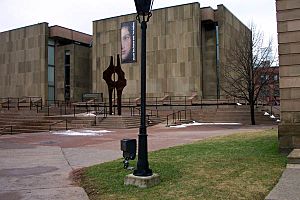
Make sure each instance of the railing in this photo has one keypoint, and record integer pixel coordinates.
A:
(149, 112)
(58, 122)
(13, 102)
(3, 129)
(178, 116)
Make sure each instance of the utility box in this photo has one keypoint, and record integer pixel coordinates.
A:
(128, 146)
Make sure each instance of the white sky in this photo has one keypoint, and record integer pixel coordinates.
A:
(79, 14)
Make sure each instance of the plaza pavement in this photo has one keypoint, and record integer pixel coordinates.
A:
(37, 166)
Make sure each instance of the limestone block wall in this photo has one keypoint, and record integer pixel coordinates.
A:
(230, 30)
(288, 27)
(80, 71)
(173, 52)
(23, 61)
(209, 64)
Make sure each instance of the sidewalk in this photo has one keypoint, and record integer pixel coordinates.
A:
(288, 187)
(37, 166)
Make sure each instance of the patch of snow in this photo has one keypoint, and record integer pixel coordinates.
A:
(266, 114)
(178, 126)
(90, 115)
(81, 132)
(239, 104)
(202, 124)
(272, 116)
(278, 120)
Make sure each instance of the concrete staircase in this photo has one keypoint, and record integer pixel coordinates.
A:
(238, 114)
(16, 120)
(294, 157)
(123, 122)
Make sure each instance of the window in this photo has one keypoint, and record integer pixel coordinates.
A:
(67, 75)
(50, 55)
(51, 70)
(51, 74)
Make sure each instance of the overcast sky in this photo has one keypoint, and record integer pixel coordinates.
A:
(79, 14)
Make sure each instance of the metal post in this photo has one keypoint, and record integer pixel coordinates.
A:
(65, 108)
(142, 163)
(167, 120)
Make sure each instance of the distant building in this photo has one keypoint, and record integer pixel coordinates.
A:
(185, 46)
(270, 93)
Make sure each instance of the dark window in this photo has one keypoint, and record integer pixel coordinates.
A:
(67, 75)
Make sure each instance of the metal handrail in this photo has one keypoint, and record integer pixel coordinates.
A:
(177, 116)
(7, 126)
(55, 123)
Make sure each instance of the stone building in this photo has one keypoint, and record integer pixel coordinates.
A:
(288, 27)
(185, 46)
(42, 61)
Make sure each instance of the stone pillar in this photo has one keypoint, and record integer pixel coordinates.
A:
(288, 27)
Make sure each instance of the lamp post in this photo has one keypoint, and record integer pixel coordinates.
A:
(143, 8)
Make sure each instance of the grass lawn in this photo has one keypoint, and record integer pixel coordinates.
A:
(240, 166)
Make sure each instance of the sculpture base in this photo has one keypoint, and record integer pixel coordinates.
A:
(142, 181)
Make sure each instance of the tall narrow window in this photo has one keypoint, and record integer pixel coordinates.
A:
(51, 71)
(67, 75)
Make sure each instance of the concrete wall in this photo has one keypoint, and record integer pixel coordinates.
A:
(288, 27)
(23, 61)
(173, 52)
(231, 29)
(80, 71)
(181, 50)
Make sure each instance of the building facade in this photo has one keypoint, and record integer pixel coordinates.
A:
(186, 45)
(288, 27)
(42, 61)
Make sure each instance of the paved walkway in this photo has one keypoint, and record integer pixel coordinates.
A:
(37, 166)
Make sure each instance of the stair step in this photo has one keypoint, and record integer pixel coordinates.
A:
(294, 157)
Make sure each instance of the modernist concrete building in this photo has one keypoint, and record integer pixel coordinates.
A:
(185, 46)
(288, 27)
(48, 62)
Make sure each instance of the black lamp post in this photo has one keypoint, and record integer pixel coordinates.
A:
(143, 8)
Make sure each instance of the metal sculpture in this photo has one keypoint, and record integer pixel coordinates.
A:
(118, 84)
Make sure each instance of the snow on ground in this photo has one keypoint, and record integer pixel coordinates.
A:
(272, 117)
(201, 124)
(266, 114)
(81, 132)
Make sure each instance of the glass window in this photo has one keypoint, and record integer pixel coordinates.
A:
(50, 55)
(51, 42)
(51, 93)
(67, 75)
(50, 75)
(67, 57)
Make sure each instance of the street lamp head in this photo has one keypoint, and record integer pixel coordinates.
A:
(143, 9)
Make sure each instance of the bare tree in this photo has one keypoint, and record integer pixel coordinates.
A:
(247, 67)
